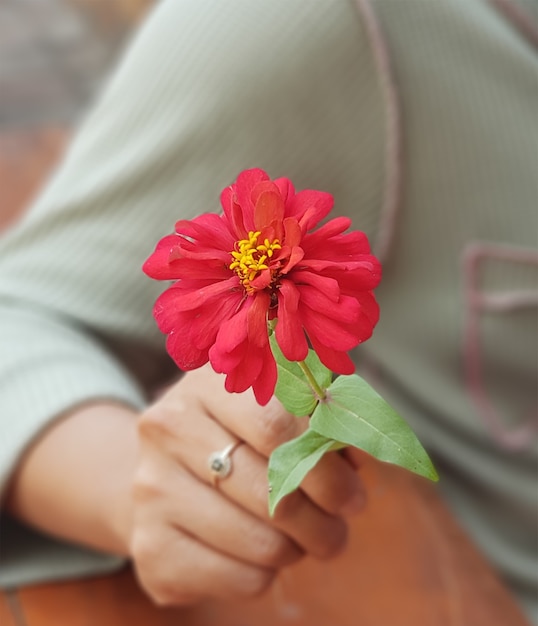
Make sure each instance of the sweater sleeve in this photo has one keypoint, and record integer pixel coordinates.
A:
(204, 91)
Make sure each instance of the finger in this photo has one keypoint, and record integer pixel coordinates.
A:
(177, 569)
(190, 436)
(355, 457)
(333, 484)
(264, 427)
(206, 514)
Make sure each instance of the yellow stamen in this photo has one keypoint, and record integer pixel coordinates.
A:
(250, 257)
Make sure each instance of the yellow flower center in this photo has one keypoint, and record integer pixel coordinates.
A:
(251, 256)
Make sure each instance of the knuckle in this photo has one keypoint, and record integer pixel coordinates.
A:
(143, 550)
(333, 484)
(274, 550)
(155, 420)
(145, 487)
(339, 497)
(160, 597)
(333, 540)
(256, 582)
(275, 426)
(167, 596)
(289, 507)
(335, 499)
(352, 501)
(161, 419)
(147, 558)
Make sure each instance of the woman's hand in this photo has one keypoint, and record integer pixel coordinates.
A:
(191, 539)
(99, 477)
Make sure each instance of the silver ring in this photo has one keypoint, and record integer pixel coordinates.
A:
(220, 463)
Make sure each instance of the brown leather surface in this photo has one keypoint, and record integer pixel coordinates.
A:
(408, 564)
(6, 615)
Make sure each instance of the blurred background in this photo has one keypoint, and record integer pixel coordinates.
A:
(54, 56)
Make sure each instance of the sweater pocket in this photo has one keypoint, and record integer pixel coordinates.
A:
(500, 342)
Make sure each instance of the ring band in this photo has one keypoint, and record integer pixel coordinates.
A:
(220, 463)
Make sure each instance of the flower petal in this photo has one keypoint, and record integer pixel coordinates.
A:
(286, 188)
(331, 229)
(369, 314)
(165, 311)
(233, 331)
(223, 362)
(310, 207)
(247, 370)
(265, 383)
(209, 229)
(329, 286)
(262, 281)
(338, 362)
(169, 315)
(233, 212)
(246, 181)
(200, 297)
(289, 329)
(292, 232)
(184, 353)
(257, 319)
(353, 245)
(330, 266)
(362, 277)
(346, 309)
(212, 270)
(295, 255)
(330, 332)
(157, 265)
(268, 205)
(206, 321)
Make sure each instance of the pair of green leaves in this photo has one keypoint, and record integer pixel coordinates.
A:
(352, 414)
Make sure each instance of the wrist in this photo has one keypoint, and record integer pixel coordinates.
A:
(75, 481)
(117, 510)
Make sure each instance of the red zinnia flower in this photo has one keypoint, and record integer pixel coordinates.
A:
(258, 261)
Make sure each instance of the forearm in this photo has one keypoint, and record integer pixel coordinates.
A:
(74, 482)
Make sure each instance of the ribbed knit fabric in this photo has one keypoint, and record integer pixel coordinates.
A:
(293, 87)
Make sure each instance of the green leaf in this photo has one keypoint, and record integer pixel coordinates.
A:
(291, 462)
(357, 415)
(292, 388)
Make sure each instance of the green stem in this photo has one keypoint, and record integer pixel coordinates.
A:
(320, 393)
